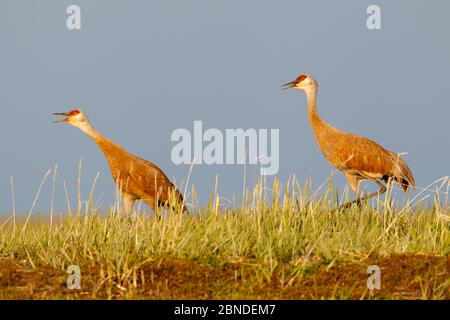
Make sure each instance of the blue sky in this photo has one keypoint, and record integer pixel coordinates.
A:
(141, 69)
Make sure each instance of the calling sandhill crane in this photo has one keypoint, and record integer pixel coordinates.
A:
(136, 178)
(357, 157)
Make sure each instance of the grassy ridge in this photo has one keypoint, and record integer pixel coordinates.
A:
(283, 239)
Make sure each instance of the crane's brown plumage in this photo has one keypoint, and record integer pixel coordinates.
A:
(357, 157)
(136, 178)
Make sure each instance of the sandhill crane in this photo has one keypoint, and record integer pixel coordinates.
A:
(136, 178)
(357, 157)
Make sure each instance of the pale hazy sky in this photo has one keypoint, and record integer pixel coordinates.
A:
(141, 69)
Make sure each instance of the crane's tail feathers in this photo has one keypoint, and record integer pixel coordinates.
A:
(402, 173)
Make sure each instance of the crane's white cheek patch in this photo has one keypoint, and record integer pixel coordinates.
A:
(235, 146)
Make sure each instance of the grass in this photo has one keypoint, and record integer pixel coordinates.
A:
(289, 244)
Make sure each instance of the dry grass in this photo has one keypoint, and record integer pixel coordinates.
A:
(286, 244)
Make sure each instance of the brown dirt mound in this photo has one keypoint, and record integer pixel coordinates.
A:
(403, 276)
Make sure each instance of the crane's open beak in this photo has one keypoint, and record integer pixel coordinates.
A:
(64, 114)
(288, 85)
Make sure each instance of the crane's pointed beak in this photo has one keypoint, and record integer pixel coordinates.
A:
(288, 85)
(64, 114)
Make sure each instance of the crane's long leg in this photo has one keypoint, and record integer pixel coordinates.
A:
(152, 203)
(365, 197)
(353, 182)
(128, 202)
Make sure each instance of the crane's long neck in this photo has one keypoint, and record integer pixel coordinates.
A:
(89, 130)
(108, 147)
(314, 118)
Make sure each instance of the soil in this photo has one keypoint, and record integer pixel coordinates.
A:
(405, 276)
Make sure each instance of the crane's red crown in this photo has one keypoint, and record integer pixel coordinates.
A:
(295, 83)
(68, 116)
(300, 78)
(74, 112)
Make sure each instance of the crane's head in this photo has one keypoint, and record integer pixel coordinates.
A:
(302, 82)
(75, 118)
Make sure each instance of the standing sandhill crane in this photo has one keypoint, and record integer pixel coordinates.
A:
(137, 179)
(357, 157)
